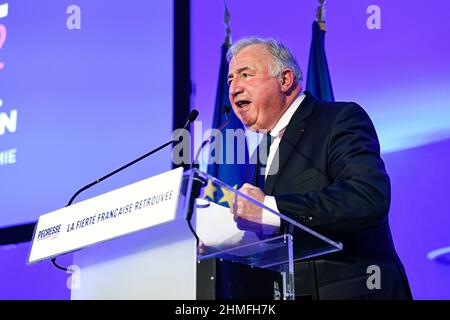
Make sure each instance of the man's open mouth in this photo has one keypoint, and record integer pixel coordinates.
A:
(243, 103)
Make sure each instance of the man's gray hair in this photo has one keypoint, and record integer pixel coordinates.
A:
(282, 56)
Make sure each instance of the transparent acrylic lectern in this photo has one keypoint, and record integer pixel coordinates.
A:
(263, 247)
(157, 256)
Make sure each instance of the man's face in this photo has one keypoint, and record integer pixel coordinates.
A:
(255, 95)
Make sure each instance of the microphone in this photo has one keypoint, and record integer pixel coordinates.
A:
(191, 118)
(198, 182)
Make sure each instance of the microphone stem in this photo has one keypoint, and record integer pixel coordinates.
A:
(223, 125)
(118, 170)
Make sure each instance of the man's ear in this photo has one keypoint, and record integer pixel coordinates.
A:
(287, 80)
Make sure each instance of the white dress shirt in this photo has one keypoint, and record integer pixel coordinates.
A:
(268, 218)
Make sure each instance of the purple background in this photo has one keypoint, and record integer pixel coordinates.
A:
(400, 74)
(88, 101)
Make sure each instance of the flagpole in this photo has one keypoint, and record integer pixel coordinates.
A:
(320, 14)
(318, 81)
(226, 21)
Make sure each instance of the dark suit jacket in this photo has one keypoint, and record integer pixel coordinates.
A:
(332, 179)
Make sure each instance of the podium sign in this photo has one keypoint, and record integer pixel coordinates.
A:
(135, 207)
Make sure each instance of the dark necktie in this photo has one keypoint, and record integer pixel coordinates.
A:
(262, 156)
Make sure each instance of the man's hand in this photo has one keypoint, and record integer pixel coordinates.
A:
(247, 215)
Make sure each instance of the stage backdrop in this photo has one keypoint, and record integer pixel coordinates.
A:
(85, 86)
(392, 58)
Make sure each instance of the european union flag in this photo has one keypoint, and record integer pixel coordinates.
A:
(230, 172)
(318, 82)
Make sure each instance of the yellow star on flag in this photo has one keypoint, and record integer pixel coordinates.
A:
(210, 190)
(228, 196)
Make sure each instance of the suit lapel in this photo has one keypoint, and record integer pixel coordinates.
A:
(290, 139)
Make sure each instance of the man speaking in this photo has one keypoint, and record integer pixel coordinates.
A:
(329, 175)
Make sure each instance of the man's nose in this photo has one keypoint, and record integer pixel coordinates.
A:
(235, 88)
